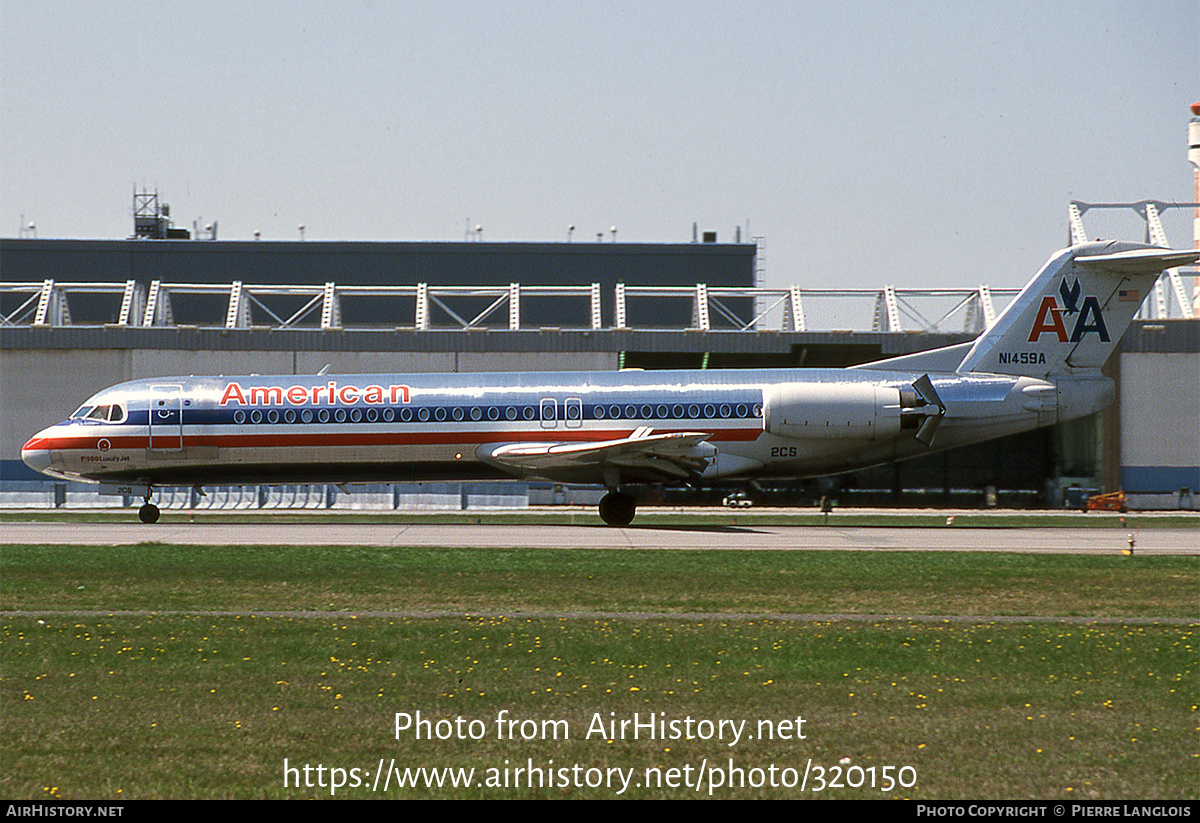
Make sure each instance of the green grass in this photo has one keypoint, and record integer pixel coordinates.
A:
(348, 578)
(204, 707)
(202, 704)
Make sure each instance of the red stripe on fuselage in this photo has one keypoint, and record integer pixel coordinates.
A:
(85, 443)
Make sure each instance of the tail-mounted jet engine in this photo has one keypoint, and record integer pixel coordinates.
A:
(853, 411)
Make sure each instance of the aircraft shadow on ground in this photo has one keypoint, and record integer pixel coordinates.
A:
(714, 529)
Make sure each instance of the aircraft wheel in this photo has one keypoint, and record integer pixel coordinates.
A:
(617, 509)
(148, 513)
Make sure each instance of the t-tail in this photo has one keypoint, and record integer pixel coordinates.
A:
(1073, 313)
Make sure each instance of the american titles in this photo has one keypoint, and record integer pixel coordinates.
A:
(330, 394)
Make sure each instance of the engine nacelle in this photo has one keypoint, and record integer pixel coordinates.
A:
(850, 411)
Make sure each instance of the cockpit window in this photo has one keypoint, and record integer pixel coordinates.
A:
(113, 413)
(81, 412)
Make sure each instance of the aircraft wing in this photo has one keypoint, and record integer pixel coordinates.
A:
(643, 455)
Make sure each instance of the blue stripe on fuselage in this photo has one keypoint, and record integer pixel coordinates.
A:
(644, 409)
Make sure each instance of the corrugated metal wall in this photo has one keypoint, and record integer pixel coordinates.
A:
(1160, 422)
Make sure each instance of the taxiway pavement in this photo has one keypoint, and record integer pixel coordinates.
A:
(1045, 540)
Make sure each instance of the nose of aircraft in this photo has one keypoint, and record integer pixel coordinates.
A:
(35, 455)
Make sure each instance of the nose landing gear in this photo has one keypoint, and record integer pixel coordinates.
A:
(148, 513)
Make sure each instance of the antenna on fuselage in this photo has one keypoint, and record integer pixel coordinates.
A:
(324, 370)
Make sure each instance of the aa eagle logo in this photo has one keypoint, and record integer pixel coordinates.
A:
(1087, 317)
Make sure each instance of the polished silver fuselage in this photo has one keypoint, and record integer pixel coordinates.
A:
(1038, 363)
(372, 428)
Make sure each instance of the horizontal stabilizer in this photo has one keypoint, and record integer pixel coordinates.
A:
(1141, 261)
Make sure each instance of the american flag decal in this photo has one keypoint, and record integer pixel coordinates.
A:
(1128, 296)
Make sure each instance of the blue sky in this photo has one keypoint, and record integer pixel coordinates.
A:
(909, 143)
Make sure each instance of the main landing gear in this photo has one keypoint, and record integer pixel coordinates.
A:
(617, 508)
(148, 513)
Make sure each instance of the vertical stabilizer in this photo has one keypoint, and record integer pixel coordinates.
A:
(1072, 314)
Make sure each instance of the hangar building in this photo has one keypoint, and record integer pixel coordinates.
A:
(80, 315)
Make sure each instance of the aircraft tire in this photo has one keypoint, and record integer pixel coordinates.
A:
(617, 509)
(148, 513)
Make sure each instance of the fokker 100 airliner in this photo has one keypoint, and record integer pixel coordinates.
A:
(1038, 364)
